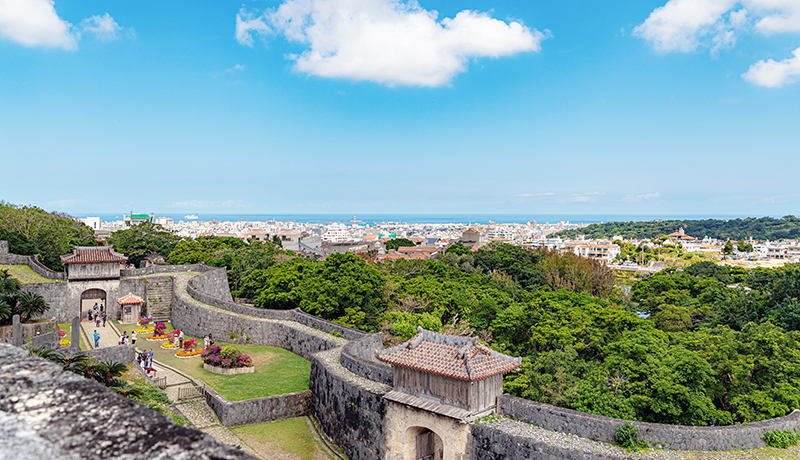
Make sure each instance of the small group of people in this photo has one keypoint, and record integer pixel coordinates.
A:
(97, 315)
(207, 340)
(124, 339)
(145, 360)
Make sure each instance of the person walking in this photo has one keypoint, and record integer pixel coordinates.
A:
(205, 342)
(133, 338)
(180, 338)
(96, 320)
(104, 319)
(96, 339)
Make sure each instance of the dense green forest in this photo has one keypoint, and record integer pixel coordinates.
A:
(764, 228)
(708, 345)
(30, 230)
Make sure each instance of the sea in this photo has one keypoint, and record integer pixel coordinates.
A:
(477, 218)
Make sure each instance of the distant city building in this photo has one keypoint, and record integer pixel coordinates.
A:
(164, 221)
(92, 222)
(133, 219)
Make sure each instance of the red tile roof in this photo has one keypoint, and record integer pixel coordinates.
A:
(93, 255)
(461, 358)
(130, 299)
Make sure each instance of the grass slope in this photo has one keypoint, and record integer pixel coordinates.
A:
(26, 275)
(292, 436)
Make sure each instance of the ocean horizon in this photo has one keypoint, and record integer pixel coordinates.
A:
(374, 218)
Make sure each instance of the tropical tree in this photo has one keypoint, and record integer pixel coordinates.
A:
(143, 240)
(30, 305)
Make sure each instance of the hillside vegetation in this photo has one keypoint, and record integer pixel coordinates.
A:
(764, 228)
(709, 345)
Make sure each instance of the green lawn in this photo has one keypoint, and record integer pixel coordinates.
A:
(25, 274)
(277, 370)
(67, 327)
(293, 435)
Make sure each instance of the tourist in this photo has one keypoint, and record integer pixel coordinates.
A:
(210, 339)
(104, 319)
(97, 319)
(180, 338)
(205, 342)
(96, 336)
(90, 315)
(133, 338)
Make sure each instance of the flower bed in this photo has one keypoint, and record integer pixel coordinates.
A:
(156, 338)
(143, 330)
(191, 354)
(229, 370)
(168, 346)
(226, 358)
(64, 342)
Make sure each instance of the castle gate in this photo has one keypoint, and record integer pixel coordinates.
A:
(89, 298)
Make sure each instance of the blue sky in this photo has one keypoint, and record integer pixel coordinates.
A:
(379, 106)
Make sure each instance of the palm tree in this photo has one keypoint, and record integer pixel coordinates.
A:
(5, 310)
(7, 283)
(108, 371)
(31, 305)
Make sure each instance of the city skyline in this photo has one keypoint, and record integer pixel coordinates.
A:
(284, 107)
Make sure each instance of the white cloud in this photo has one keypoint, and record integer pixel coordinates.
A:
(35, 23)
(774, 74)
(392, 42)
(528, 195)
(644, 197)
(686, 25)
(246, 24)
(679, 24)
(103, 27)
(235, 68)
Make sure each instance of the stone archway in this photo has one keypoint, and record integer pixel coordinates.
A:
(89, 298)
(423, 444)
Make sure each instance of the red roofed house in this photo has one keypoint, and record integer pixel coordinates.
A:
(93, 263)
(131, 308)
(441, 383)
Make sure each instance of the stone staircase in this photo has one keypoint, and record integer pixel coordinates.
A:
(158, 294)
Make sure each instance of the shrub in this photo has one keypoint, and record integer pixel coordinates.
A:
(160, 328)
(781, 439)
(227, 357)
(628, 437)
(145, 321)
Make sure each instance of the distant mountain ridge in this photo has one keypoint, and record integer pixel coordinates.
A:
(763, 228)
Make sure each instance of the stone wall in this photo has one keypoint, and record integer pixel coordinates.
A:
(213, 283)
(351, 410)
(158, 295)
(358, 356)
(124, 354)
(29, 330)
(491, 443)
(46, 413)
(155, 269)
(197, 319)
(601, 428)
(258, 410)
(31, 261)
(326, 326)
(65, 298)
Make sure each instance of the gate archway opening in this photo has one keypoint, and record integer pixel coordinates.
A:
(90, 298)
(423, 444)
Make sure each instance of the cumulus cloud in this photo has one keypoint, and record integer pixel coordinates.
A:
(35, 23)
(103, 27)
(392, 42)
(686, 25)
(644, 197)
(774, 74)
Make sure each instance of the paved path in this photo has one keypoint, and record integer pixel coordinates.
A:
(108, 335)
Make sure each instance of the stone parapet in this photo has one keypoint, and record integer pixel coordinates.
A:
(258, 410)
(46, 413)
(679, 437)
(358, 356)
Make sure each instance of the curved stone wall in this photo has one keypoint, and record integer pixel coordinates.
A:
(679, 437)
(350, 409)
(358, 356)
(30, 261)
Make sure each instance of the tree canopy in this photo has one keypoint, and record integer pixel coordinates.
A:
(51, 234)
(763, 228)
(143, 240)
